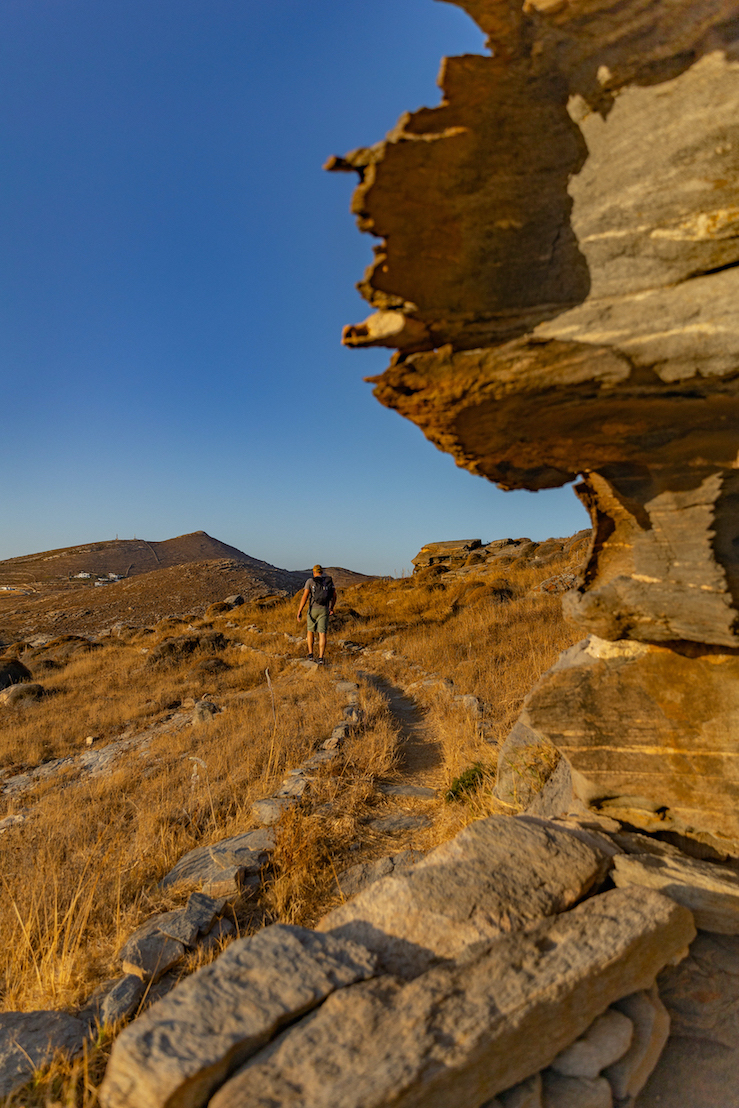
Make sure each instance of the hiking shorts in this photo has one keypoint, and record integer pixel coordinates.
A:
(318, 619)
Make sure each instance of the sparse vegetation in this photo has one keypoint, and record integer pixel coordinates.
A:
(81, 873)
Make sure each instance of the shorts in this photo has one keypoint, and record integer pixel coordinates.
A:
(318, 619)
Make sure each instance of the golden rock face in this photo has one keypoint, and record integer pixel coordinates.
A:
(559, 273)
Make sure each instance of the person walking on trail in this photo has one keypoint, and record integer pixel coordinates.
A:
(320, 596)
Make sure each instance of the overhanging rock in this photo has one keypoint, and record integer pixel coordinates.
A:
(559, 273)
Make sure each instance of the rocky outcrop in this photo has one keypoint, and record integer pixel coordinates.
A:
(471, 555)
(559, 271)
(503, 965)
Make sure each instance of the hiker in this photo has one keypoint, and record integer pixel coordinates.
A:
(320, 596)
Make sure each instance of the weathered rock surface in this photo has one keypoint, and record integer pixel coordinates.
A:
(558, 270)
(123, 999)
(188, 1043)
(702, 992)
(497, 875)
(711, 892)
(391, 825)
(692, 1072)
(149, 954)
(649, 732)
(28, 1039)
(463, 1032)
(525, 761)
(226, 863)
(354, 880)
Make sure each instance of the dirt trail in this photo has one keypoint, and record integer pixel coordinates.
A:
(421, 761)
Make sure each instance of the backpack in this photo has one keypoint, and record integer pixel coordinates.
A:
(321, 591)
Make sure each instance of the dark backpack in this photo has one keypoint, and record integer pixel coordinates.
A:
(321, 591)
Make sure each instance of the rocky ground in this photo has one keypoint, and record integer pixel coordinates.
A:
(350, 865)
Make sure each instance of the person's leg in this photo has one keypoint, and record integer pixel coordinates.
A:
(310, 641)
(321, 643)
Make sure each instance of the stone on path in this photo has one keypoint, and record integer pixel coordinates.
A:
(392, 788)
(497, 875)
(188, 1043)
(227, 862)
(389, 825)
(651, 1023)
(123, 999)
(271, 810)
(710, 891)
(346, 686)
(29, 1039)
(464, 1032)
(149, 954)
(221, 930)
(575, 1092)
(353, 880)
(605, 1041)
(702, 992)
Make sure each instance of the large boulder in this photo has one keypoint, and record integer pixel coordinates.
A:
(497, 875)
(467, 1030)
(558, 272)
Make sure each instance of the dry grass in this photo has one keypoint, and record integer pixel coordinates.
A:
(82, 872)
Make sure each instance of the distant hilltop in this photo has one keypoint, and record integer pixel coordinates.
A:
(131, 557)
(60, 590)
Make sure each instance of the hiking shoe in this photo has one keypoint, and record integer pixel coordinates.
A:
(320, 662)
(310, 657)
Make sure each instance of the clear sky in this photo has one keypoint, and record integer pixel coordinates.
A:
(176, 268)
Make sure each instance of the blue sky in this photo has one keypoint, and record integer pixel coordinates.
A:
(175, 270)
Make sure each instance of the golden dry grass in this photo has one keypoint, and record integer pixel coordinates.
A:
(82, 872)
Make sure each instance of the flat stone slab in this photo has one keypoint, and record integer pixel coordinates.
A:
(389, 825)
(499, 874)
(29, 1039)
(149, 954)
(346, 686)
(354, 880)
(185, 1046)
(391, 788)
(271, 809)
(247, 852)
(710, 891)
(464, 1032)
(123, 999)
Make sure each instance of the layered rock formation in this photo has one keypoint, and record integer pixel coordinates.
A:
(559, 273)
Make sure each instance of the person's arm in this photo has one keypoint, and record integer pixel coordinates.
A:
(332, 605)
(303, 602)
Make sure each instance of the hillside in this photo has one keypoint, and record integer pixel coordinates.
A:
(135, 581)
(150, 739)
